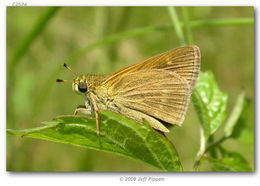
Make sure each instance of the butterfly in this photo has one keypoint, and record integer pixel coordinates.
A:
(157, 89)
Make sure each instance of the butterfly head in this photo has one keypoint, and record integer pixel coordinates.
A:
(79, 85)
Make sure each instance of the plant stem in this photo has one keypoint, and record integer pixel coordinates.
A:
(177, 24)
(216, 143)
(187, 25)
(202, 148)
(222, 22)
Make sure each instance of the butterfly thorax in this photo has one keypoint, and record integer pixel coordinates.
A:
(94, 81)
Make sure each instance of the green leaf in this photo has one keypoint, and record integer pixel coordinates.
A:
(118, 135)
(240, 105)
(232, 161)
(210, 103)
(236, 128)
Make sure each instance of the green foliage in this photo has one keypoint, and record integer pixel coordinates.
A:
(232, 161)
(118, 135)
(210, 105)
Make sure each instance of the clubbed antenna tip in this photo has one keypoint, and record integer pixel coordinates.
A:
(67, 67)
(59, 80)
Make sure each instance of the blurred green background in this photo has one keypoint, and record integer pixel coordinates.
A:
(33, 96)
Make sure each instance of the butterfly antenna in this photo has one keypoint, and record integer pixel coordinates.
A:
(65, 81)
(67, 67)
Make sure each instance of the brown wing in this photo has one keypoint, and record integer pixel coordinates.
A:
(157, 93)
(184, 61)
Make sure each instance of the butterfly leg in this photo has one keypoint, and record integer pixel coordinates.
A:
(83, 109)
(96, 111)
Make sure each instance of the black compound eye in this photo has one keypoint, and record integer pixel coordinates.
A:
(82, 87)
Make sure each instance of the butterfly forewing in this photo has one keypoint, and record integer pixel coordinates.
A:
(184, 61)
